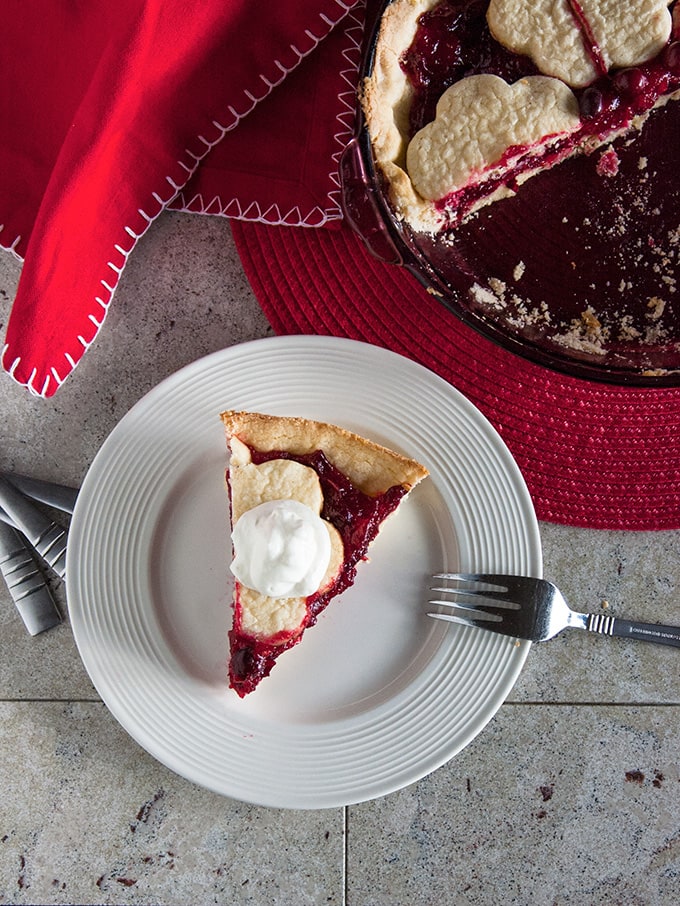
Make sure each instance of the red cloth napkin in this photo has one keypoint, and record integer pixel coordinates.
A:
(111, 112)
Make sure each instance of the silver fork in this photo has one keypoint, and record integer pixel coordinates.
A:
(533, 609)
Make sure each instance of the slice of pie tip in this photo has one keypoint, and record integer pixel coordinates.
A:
(352, 483)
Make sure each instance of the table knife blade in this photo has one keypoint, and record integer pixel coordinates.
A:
(48, 538)
(5, 518)
(26, 584)
(62, 497)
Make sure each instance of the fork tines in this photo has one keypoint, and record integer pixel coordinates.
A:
(468, 598)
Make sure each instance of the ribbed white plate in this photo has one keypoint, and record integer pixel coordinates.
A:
(377, 695)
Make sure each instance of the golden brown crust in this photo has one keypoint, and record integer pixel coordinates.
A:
(369, 466)
(386, 93)
(385, 97)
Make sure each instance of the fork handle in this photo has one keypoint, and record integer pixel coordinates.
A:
(630, 629)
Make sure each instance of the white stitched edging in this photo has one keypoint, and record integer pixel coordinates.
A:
(318, 216)
(12, 247)
(272, 215)
(347, 118)
(189, 167)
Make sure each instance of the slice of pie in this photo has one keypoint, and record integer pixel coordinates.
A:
(307, 499)
(469, 98)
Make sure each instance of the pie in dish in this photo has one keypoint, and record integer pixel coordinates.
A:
(466, 99)
(307, 499)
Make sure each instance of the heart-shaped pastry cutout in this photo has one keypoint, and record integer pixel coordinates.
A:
(483, 125)
(579, 40)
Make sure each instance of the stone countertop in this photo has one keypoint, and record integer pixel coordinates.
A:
(570, 795)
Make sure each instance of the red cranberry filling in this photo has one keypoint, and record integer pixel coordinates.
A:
(357, 517)
(453, 41)
(592, 47)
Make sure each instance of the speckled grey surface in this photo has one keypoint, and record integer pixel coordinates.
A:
(570, 795)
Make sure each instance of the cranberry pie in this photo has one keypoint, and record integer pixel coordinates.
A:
(307, 499)
(469, 98)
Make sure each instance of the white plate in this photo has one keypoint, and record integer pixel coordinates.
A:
(377, 695)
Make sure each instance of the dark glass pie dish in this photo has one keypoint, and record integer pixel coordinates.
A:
(577, 272)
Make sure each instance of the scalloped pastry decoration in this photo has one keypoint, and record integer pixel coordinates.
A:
(579, 40)
(603, 66)
(483, 122)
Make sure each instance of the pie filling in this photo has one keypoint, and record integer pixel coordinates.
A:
(357, 517)
(453, 41)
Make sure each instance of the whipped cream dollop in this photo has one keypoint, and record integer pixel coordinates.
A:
(281, 549)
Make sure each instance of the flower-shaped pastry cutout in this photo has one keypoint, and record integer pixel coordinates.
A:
(483, 123)
(579, 40)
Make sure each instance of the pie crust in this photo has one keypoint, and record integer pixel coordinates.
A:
(353, 482)
(587, 60)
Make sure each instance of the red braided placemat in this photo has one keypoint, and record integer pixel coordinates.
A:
(593, 455)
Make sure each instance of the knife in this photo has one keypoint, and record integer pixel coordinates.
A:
(61, 496)
(48, 538)
(26, 584)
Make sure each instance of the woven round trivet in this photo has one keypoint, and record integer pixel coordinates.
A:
(593, 455)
